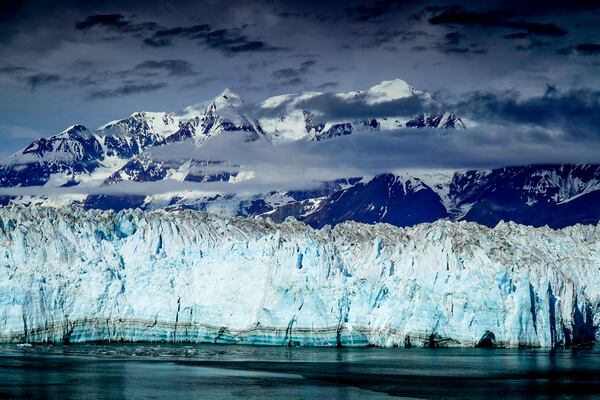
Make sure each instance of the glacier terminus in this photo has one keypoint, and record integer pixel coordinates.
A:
(82, 276)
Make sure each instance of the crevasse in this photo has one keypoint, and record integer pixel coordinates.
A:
(76, 276)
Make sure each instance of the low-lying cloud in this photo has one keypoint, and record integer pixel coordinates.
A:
(331, 106)
(304, 164)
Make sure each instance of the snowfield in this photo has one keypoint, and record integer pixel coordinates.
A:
(76, 276)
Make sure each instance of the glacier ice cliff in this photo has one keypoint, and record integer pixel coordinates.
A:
(75, 276)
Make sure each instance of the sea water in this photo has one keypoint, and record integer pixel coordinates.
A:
(150, 371)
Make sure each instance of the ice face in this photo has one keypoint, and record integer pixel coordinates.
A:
(78, 276)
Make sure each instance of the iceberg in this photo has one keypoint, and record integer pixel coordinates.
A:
(71, 275)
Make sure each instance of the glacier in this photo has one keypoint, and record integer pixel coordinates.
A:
(71, 275)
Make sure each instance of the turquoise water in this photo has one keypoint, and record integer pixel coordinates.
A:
(134, 371)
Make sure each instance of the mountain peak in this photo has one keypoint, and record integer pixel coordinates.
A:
(227, 98)
(74, 129)
(390, 90)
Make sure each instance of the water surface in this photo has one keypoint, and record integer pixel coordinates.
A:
(170, 371)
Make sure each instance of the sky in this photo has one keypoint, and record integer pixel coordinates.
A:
(523, 63)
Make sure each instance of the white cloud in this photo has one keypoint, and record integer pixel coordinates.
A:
(19, 132)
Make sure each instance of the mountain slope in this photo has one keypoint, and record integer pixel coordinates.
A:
(385, 198)
(536, 195)
(553, 195)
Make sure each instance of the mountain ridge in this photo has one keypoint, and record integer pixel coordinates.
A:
(129, 149)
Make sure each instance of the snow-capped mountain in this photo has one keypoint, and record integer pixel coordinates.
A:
(70, 157)
(290, 117)
(220, 116)
(138, 149)
(77, 276)
(125, 150)
(75, 154)
(78, 151)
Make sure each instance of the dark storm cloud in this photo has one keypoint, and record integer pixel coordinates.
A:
(125, 79)
(8, 9)
(369, 12)
(13, 69)
(419, 48)
(328, 85)
(584, 49)
(383, 37)
(517, 35)
(41, 79)
(126, 89)
(574, 112)
(164, 37)
(456, 15)
(116, 23)
(229, 40)
(170, 68)
(532, 44)
(454, 43)
(226, 40)
(294, 75)
(176, 68)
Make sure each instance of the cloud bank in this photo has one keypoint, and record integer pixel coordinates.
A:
(304, 164)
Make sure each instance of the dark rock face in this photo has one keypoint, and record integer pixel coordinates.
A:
(334, 131)
(536, 195)
(435, 341)
(324, 189)
(418, 122)
(139, 171)
(121, 147)
(254, 207)
(186, 131)
(371, 123)
(309, 124)
(487, 341)
(38, 173)
(385, 198)
(114, 202)
(440, 121)
(73, 143)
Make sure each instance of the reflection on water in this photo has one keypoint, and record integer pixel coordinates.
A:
(249, 372)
